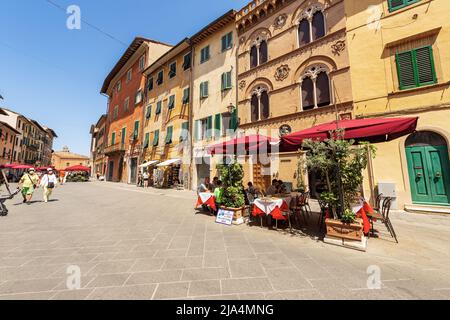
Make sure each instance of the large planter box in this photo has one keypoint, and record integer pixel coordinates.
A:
(239, 214)
(337, 229)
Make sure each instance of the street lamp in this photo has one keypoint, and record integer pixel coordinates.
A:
(231, 108)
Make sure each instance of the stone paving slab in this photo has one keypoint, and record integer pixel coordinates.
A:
(131, 243)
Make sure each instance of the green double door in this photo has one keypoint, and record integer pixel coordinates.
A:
(428, 168)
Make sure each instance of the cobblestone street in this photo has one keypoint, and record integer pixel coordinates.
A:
(136, 244)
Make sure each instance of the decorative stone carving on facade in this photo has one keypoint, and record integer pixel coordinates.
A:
(313, 71)
(242, 40)
(262, 36)
(338, 47)
(309, 12)
(242, 84)
(280, 21)
(282, 72)
(259, 89)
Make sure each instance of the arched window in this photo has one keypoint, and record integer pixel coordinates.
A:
(259, 52)
(307, 94)
(312, 25)
(318, 25)
(304, 33)
(253, 57)
(323, 90)
(315, 88)
(260, 105)
(263, 52)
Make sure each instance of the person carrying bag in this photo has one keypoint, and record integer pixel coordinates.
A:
(48, 182)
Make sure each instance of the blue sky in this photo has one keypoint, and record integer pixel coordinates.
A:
(54, 75)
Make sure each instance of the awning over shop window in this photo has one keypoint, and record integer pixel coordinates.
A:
(169, 163)
(148, 164)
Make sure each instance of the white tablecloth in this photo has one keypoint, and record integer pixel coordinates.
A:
(205, 196)
(268, 206)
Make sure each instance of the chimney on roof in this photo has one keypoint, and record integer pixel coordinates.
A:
(66, 149)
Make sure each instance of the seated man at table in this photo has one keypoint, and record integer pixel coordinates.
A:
(218, 194)
(281, 187)
(204, 187)
(273, 189)
(252, 193)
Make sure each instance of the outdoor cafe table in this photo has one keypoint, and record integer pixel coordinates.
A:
(272, 206)
(207, 199)
(361, 210)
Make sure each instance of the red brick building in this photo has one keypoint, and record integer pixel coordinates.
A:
(125, 86)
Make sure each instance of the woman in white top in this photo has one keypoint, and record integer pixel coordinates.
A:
(48, 182)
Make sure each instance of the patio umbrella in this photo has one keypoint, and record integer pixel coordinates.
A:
(78, 168)
(371, 130)
(21, 166)
(242, 145)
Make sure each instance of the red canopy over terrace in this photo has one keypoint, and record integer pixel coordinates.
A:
(242, 145)
(21, 166)
(371, 130)
(78, 168)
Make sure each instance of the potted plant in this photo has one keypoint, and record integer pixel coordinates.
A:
(233, 196)
(341, 163)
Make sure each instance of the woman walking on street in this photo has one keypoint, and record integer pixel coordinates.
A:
(29, 182)
(48, 182)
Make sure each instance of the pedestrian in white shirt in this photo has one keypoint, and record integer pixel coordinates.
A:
(48, 182)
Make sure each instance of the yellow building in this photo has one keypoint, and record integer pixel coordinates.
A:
(293, 73)
(214, 92)
(399, 54)
(64, 159)
(168, 98)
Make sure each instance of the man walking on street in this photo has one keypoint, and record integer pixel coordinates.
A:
(48, 182)
(29, 182)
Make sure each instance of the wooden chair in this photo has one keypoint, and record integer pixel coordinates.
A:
(300, 207)
(384, 217)
(378, 207)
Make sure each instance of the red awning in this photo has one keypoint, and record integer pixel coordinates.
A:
(78, 168)
(241, 145)
(21, 166)
(371, 130)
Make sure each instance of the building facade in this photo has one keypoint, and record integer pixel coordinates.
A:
(214, 92)
(168, 101)
(8, 136)
(293, 73)
(61, 160)
(399, 52)
(125, 88)
(99, 141)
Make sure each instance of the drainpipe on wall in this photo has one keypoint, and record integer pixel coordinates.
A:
(191, 118)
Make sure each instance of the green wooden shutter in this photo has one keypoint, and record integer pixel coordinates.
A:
(209, 127)
(234, 120)
(202, 94)
(148, 115)
(169, 135)
(398, 4)
(136, 130)
(426, 73)
(156, 138)
(158, 107)
(405, 70)
(224, 43)
(218, 125)
(147, 140)
(124, 133)
(171, 102)
(228, 76)
(113, 138)
(184, 131)
(223, 81)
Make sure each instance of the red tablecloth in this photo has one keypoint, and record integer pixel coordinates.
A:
(272, 208)
(362, 213)
(207, 199)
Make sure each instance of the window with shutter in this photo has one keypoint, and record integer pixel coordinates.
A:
(264, 105)
(184, 131)
(173, 70)
(204, 89)
(147, 140)
(186, 95)
(148, 115)
(415, 68)
(113, 138)
(169, 135)
(156, 138)
(160, 78)
(398, 4)
(150, 84)
(234, 120)
(136, 130)
(171, 102)
(227, 41)
(209, 127)
(187, 61)
(217, 125)
(226, 81)
(158, 107)
(204, 54)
